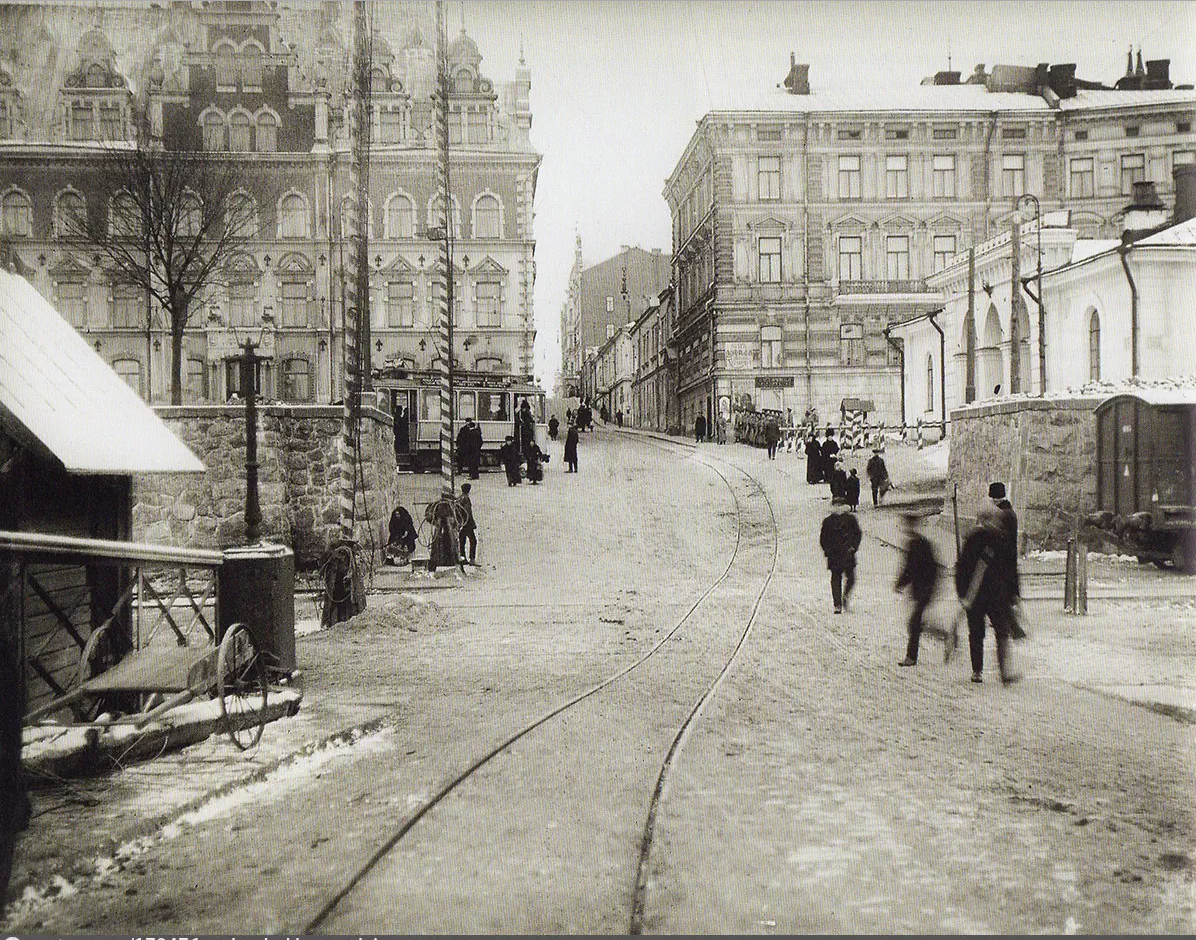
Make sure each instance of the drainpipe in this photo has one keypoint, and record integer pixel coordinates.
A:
(988, 141)
(1123, 250)
(942, 366)
(900, 349)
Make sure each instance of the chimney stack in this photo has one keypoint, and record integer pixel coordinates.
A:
(1145, 214)
(1158, 74)
(1185, 193)
(798, 80)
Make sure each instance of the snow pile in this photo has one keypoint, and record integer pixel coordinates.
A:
(401, 612)
(1101, 389)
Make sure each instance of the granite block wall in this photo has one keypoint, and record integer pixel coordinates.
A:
(298, 478)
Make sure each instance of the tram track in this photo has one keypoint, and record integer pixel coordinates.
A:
(643, 858)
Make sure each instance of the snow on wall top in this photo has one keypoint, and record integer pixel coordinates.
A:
(58, 389)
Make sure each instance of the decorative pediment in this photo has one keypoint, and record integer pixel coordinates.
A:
(294, 263)
(489, 266)
(242, 263)
(769, 224)
(68, 267)
(944, 222)
(97, 64)
(847, 223)
(898, 221)
(400, 265)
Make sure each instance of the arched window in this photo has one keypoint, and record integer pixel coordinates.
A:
(930, 383)
(292, 216)
(251, 68)
(296, 380)
(238, 132)
(97, 76)
(18, 214)
(213, 132)
(1094, 346)
(463, 82)
(487, 218)
(241, 215)
(488, 364)
(226, 68)
(436, 210)
(190, 216)
(130, 371)
(400, 217)
(70, 215)
(347, 229)
(124, 216)
(378, 80)
(267, 133)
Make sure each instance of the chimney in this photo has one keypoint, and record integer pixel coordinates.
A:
(1158, 73)
(1185, 193)
(798, 79)
(946, 78)
(1062, 79)
(1145, 214)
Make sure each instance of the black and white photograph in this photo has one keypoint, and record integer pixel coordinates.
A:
(597, 467)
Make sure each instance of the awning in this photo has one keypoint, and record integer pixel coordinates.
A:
(57, 390)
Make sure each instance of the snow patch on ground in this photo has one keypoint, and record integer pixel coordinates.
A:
(1060, 555)
(936, 456)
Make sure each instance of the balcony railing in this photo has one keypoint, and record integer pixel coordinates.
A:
(884, 287)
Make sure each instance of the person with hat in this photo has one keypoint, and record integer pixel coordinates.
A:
(986, 582)
(840, 540)
(920, 573)
(878, 476)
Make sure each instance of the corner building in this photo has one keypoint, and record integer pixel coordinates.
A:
(266, 85)
(806, 222)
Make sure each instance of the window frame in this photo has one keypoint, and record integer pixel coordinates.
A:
(131, 316)
(294, 310)
(774, 267)
(849, 175)
(289, 374)
(896, 176)
(488, 310)
(768, 181)
(1128, 180)
(943, 258)
(123, 375)
(1084, 176)
(772, 347)
(858, 254)
(398, 317)
(895, 259)
(1013, 178)
(942, 180)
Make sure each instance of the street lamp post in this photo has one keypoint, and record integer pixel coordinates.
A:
(1038, 278)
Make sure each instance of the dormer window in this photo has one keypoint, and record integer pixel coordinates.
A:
(82, 121)
(463, 83)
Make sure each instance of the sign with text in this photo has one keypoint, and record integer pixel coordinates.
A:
(774, 381)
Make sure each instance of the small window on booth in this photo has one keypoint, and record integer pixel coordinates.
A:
(467, 406)
(429, 404)
(232, 376)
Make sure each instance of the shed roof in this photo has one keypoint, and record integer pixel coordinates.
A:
(55, 389)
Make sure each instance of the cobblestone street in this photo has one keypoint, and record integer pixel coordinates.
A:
(820, 789)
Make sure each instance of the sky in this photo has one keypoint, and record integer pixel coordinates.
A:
(618, 87)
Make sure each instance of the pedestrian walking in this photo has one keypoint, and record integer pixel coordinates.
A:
(986, 588)
(1002, 515)
(527, 428)
(878, 476)
(469, 525)
(554, 427)
(720, 429)
(619, 417)
(571, 449)
(772, 435)
(920, 573)
(509, 452)
(840, 540)
(699, 428)
(852, 490)
(568, 416)
(535, 463)
(813, 460)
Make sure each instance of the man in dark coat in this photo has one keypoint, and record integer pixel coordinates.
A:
(1008, 523)
(837, 478)
(851, 490)
(402, 432)
(527, 428)
(840, 540)
(535, 459)
(920, 573)
(465, 446)
(571, 449)
(813, 460)
(469, 525)
(700, 428)
(986, 586)
(475, 451)
(772, 435)
(830, 450)
(878, 476)
(401, 533)
(554, 427)
(509, 453)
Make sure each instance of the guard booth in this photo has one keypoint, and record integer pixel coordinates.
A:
(853, 413)
(72, 435)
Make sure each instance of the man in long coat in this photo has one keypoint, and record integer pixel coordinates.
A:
(878, 475)
(840, 540)
(986, 585)
(772, 436)
(402, 431)
(813, 460)
(830, 450)
(509, 452)
(571, 449)
(920, 573)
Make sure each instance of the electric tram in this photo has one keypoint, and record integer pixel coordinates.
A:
(492, 400)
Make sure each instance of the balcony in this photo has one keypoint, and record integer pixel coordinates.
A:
(884, 287)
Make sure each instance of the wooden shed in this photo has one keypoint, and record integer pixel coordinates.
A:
(72, 434)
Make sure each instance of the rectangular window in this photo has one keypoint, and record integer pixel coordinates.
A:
(943, 179)
(429, 404)
(1083, 177)
(1013, 174)
(945, 133)
(851, 344)
(467, 406)
(849, 177)
(489, 295)
(850, 133)
(128, 307)
(110, 122)
(1131, 130)
(1183, 127)
(82, 122)
(241, 295)
(768, 134)
(1133, 170)
(296, 380)
(454, 126)
(851, 258)
(71, 298)
(769, 177)
(400, 304)
(1081, 135)
(944, 250)
(293, 296)
(772, 353)
(1013, 133)
(897, 258)
(390, 126)
(897, 177)
(770, 260)
(492, 406)
(897, 133)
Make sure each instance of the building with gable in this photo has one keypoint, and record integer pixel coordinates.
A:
(265, 85)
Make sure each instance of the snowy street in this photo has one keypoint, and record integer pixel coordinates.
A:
(819, 789)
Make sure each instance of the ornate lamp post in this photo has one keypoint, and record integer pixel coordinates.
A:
(1038, 300)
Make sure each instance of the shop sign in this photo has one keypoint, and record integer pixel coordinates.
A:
(774, 381)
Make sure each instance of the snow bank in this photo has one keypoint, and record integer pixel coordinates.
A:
(402, 612)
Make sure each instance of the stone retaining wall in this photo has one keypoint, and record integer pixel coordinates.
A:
(298, 479)
(1042, 449)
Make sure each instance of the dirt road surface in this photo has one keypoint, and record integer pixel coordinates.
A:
(820, 789)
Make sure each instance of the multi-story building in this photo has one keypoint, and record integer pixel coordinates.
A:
(266, 85)
(653, 381)
(806, 222)
(601, 299)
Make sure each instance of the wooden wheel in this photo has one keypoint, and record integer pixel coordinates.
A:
(92, 661)
(241, 686)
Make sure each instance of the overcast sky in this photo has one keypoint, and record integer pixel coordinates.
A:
(617, 87)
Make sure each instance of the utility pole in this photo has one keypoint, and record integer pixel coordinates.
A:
(253, 508)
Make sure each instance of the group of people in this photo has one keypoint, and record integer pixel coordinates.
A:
(450, 519)
(583, 418)
(986, 579)
(715, 430)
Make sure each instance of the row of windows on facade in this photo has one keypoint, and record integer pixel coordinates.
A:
(294, 215)
(1082, 175)
(129, 306)
(775, 134)
(851, 257)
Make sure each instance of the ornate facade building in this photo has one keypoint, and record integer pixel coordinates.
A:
(266, 85)
(806, 222)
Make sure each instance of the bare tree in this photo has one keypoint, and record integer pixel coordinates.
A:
(166, 221)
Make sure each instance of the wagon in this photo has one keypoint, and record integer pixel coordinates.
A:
(1146, 475)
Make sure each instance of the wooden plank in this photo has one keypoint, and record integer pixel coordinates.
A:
(159, 670)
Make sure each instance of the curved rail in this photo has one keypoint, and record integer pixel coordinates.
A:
(395, 837)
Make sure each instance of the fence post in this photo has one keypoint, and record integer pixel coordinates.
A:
(1081, 578)
(1069, 579)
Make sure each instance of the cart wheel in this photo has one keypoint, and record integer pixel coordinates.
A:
(91, 664)
(241, 685)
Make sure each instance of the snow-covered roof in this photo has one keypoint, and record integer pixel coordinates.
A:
(1086, 248)
(1161, 395)
(1182, 235)
(58, 390)
(946, 98)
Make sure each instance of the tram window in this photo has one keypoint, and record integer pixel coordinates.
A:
(466, 405)
(429, 404)
(538, 407)
(492, 406)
